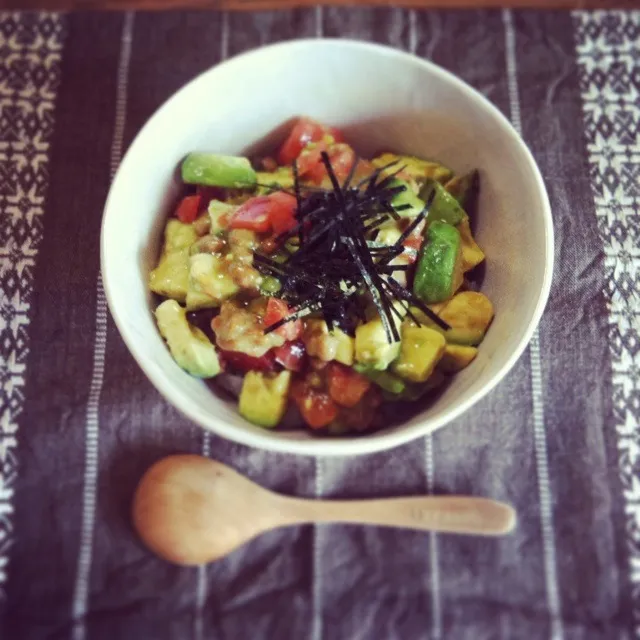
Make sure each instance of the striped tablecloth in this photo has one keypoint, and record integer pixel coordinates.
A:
(79, 423)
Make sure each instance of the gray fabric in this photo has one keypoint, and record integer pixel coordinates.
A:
(333, 582)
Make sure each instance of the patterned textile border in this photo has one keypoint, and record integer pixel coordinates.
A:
(608, 55)
(30, 52)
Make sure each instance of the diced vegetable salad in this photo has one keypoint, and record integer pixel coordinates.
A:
(332, 284)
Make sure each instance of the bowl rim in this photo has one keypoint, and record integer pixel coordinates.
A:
(365, 444)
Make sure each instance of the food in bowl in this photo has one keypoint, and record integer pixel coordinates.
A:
(332, 284)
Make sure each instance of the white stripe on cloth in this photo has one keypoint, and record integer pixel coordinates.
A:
(539, 430)
(83, 574)
(434, 561)
(201, 579)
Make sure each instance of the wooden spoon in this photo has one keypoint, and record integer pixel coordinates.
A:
(191, 510)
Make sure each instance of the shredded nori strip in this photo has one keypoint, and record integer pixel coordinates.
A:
(338, 259)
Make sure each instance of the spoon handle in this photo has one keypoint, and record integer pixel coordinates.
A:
(447, 514)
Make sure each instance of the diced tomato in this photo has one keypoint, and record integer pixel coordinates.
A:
(187, 210)
(305, 131)
(310, 162)
(316, 407)
(291, 355)
(346, 386)
(282, 212)
(264, 213)
(311, 167)
(363, 170)
(253, 215)
(414, 241)
(243, 362)
(277, 310)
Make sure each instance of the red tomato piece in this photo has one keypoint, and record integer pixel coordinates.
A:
(187, 210)
(341, 157)
(291, 355)
(253, 215)
(310, 163)
(413, 241)
(316, 407)
(282, 212)
(363, 171)
(305, 131)
(277, 310)
(243, 362)
(346, 386)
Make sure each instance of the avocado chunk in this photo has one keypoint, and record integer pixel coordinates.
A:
(472, 254)
(188, 345)
(439, 269)
(469, 314)
(444, 207)
(219, 215)
(170, 278)
(372, 347)
(415, 390)
(456, 357)
(209, 282)
(384, 379)
(269, 181)
(406, 203)
(327, 345)
(455, 335)
(465, 189)
(418, 169)
(230, 172)
(388, 233)
(270, 286)
(263, 399)
(421, 351)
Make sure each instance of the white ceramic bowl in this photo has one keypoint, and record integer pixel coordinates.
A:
(382, 99)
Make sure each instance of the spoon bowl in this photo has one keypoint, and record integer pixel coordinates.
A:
(191, 510)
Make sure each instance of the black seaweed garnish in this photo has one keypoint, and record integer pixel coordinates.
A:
(338, 260)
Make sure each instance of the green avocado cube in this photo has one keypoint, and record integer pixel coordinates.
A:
(385, 380)
(439, 269)
(421, 350)
(406, 203)
(263, 399)
(230, 172)
(219, 215)
(456, 357)
(189, 346)
(372, 347)
(171, 277)
(444, 207)
(209, 278)
(269, 181)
